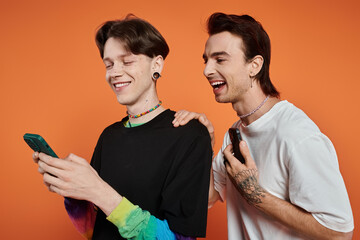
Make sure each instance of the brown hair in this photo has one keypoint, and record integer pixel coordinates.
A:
(138, 35)
(255, 39)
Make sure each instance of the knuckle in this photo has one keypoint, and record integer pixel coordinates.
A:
(65, 178)
(50, 161)
(45, 176)
(68, 156)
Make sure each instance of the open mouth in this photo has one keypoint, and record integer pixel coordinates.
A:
(217, 84)
(118, 85)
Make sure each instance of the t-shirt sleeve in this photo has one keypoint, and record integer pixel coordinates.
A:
(185, 196)
(316, 185)
(219, 170)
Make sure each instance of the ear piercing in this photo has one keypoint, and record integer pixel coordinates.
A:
(156, 76)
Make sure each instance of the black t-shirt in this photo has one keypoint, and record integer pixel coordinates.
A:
(162, 169)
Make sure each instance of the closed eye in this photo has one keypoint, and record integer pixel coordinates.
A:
(220, 60)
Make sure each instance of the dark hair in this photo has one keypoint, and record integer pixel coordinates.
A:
(138, 35)
(255, 40)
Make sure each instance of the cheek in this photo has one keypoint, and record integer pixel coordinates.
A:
(107, 77)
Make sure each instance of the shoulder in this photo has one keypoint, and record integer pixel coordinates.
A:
(194, 131)
(109, 130)
(293, 123)
(192, 128)
(296, 130)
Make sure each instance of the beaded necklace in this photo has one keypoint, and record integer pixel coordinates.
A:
(144, 113)
(252, 112)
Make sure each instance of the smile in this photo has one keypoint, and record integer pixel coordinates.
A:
(217, 84)
(119, 85)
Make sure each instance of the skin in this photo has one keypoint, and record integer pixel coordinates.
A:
(225, 63)
(73, 176)
(134, 72)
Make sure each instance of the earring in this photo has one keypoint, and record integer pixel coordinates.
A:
(156, 76)
(251, 76)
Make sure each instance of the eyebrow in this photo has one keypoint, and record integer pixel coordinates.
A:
(215, 54)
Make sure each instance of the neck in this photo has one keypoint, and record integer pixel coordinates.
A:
(251, 103)
(142, 107)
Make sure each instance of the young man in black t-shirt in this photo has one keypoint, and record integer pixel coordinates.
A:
(147, 179)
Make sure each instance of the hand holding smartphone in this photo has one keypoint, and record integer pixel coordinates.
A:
(235, 138)
(38, 144)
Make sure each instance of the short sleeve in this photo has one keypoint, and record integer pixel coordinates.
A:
(185, 197)
(316, 184)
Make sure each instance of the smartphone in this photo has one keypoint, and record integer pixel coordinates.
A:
(235, 138)
(38, 144)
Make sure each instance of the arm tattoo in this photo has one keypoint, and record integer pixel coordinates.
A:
(247, 183)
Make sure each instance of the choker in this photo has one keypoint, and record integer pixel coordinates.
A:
(253, 111)
(144, 113)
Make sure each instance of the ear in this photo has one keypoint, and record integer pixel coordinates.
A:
(256, 64)
(157, 64)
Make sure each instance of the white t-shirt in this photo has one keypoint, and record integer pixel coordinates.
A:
(296, 163)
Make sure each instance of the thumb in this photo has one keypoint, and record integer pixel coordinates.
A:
(244, 149)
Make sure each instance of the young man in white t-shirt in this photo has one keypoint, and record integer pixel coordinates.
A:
(290, 186)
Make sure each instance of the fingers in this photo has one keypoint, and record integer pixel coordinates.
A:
(233, 164)
(249, 162)
(79, 160)
(44, 168)
(228, 154)
(182, 117)
(41, 171)
(35, 157)
(206, 122)
(48, 159)
(76, 159)
(64, 164)
(52, 183)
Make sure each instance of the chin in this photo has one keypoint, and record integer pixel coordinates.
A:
(222, 100)
(123, 101)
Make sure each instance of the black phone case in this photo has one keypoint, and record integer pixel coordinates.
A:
(235, 138)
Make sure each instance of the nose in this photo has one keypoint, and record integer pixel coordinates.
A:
(209, 69)
(116, 71)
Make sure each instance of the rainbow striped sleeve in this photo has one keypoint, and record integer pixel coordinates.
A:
(134, 223)
(82, 214)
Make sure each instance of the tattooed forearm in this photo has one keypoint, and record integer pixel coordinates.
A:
(246, 181)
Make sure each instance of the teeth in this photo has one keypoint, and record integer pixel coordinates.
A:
(217, 83)
(121, 84)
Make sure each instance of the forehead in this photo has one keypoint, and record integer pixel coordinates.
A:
(223, 42)
(114, 46)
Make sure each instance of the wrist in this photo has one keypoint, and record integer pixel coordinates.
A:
(106, 198)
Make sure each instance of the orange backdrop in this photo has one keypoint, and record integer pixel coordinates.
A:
(52, 83)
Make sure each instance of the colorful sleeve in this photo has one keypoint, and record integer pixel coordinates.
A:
(134, 223)
(82, 214)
